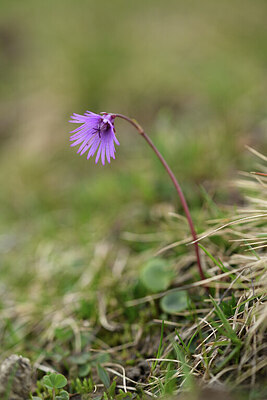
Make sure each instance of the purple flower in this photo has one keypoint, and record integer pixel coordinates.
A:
(97, 133)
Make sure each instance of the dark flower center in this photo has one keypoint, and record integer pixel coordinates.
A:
(102, 127)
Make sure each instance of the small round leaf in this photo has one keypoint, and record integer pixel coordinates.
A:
(63, 395)
(56, 381)
(174, 302)
(156, 275)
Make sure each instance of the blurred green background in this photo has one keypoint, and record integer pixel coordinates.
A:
(193, 73)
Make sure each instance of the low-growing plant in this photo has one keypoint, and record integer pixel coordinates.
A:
(51, 386)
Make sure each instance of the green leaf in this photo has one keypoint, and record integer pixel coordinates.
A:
(54, 381)
(84, 370)
(63, 395)
(160, 346)
(180, 355)
(170, 381)
(228, 330)
(187, 350)
(103, 375)
(174, 302)
(156, 275)
(112, 388)
(80, 358)
(102, 358)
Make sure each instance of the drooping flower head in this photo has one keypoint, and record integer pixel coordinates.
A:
(96, 133)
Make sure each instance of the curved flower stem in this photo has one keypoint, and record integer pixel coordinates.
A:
(176, 185)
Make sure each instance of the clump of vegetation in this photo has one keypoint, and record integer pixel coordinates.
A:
(216, 340)
(150, 329)
(51, 386)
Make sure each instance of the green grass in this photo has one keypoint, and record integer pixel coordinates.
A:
(75, 237)
(74, 299)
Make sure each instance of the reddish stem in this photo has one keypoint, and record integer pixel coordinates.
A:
(176, 185)
(259, 173)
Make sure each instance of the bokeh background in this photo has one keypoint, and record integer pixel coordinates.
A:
(193, 73)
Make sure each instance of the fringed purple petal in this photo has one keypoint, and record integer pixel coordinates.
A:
(85, 145)
(103, 152)
(91, 114)
(112, 149)
(116, 140)
(107, 152)
(85, 131)
(82, 128)
(82, 151)
(95, 134)
(93, 148)
(81, 139)
(98, 153)
(80, 119)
